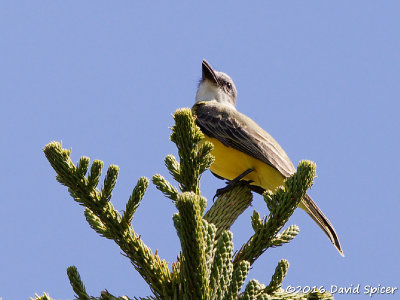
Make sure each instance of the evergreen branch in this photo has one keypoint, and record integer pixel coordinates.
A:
(109, 183)
(286, 236)
(95, 173)
(173, 167)
(204, 158)
(221, 273)
(228, 207)
(104, 218)
(97, 225)
(205, 269)
(282, 295)
(105, 295)
(83, 165)
(252, 290)
(134, 200)
(277, 278)
(256, 221)
(203, 204)
(176, 218)
(264, 297)
(238, 277)
(165, 187)
(44, 297)
(256, 290)
(176, 280)
(282, 205)
(76, 283)
(189, 225)
(209, 237)
(319, 296)
(186, 137)
(193, 159)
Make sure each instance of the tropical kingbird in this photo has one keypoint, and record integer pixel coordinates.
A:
(242, 149)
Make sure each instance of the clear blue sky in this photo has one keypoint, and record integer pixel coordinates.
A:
(104, 77)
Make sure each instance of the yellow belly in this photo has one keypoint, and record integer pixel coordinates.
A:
(230, 163)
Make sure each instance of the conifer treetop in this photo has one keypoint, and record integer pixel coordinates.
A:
(207, 267)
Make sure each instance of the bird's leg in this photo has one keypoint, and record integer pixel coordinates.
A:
(232, 183)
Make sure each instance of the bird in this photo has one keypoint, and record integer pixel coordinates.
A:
(242, 149)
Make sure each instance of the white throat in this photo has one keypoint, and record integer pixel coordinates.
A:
(208, 91)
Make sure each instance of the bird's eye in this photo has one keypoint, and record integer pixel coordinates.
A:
(229, 85)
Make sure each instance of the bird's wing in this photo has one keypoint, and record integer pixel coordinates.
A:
(238, 131)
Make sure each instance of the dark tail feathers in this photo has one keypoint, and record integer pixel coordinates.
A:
(316, 214)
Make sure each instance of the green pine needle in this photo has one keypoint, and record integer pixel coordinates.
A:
(95, 172)
(252, 290)
(209, 232)
(44, 297)
(238, 277)
(221, 273)
(165, 187)
(134, 199)
(277, 278)
(286, 236)
(76, 283)
(96, 224)
(193, 247)
(109, 183)
(173, 167)
(194, 158)
(256, 221)
(83, 165)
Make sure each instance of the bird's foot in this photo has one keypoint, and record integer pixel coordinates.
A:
(234, 182)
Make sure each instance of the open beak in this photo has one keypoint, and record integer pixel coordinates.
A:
(208, 72)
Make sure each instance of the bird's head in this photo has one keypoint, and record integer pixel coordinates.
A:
(217, 86)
